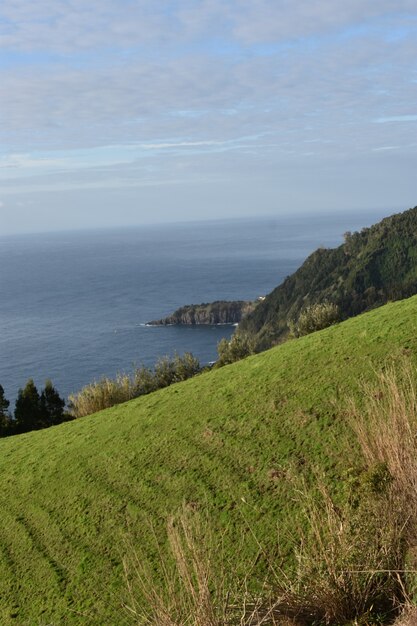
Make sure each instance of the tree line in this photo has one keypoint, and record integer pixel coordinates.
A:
(33, 410)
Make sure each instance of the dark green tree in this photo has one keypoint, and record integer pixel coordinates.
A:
(4, 413)
(28, 413)
(52, 405)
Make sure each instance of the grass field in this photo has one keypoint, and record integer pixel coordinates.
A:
(225, 440)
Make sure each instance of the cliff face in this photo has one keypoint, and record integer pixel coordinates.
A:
(219, 312)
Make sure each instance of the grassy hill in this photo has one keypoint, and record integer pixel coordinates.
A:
(372, 267)
(224, 440)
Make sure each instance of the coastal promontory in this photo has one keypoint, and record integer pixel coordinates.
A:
(219, 312)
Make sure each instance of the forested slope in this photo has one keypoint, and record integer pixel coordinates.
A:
(372, 267)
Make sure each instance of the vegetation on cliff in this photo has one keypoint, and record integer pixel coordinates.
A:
(370, 268)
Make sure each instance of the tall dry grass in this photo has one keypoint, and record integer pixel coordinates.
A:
(101, 394)
(197, 584)
(387, 432)
(108, 392)
(348, 562)
(386, 428)
(358, 560)
(186, 590)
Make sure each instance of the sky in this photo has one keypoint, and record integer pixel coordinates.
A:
(124, 112)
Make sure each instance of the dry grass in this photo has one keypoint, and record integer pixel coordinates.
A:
(101, 395)
(357, 561)
(108, 392)
(407, 618)
(183, 594)
(387, 432)
(192, 590)
(348, 563)
(348, 567)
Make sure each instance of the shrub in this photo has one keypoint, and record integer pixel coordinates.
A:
(240, 346)
(143, 381)
(315, 317)
(101, 394)
(186, 366)
(108, 392)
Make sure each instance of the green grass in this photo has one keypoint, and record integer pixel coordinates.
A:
(224, 440)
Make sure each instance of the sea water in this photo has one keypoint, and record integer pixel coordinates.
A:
(74, 305)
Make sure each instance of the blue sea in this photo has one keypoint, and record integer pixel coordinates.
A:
(74, 305)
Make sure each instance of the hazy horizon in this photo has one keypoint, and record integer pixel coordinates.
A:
(371, 216)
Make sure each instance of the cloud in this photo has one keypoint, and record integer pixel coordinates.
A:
(396, 118)
(382, 148)
(181, 144)
(75, 26)
(105, 158)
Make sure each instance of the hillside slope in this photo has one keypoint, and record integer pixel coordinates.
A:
(225, 440)
(372, 267)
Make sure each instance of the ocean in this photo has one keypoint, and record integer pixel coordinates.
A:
(74, 305)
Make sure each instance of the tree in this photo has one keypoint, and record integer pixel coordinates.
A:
(51, 405)
(4, 413)
(28, 413)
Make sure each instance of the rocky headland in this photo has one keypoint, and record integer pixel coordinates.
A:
(219, 312)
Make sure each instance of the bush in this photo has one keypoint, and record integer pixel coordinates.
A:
(186, 366)
(315, 317)
(108, 392)
(239, 347)
(143, 381)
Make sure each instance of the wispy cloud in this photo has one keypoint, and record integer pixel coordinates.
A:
(382, 148)
(104, 157)
(396, 118)
(181, 144)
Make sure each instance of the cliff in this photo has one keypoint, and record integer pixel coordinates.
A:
(372, 267)
(219, 312)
